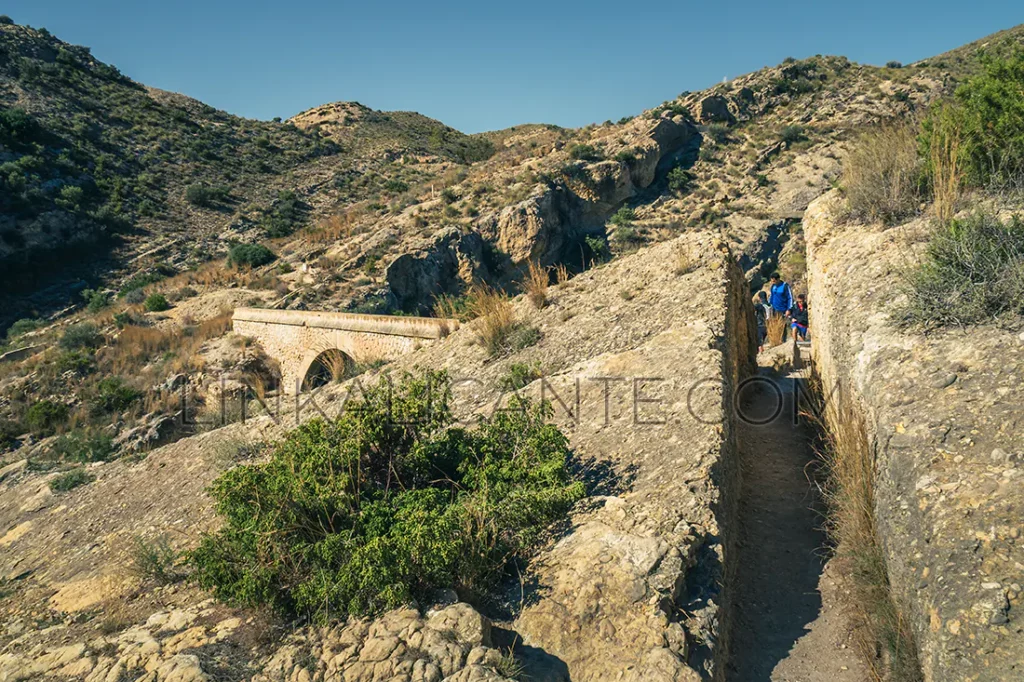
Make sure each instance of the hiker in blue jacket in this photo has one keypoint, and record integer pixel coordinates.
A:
(780, 297)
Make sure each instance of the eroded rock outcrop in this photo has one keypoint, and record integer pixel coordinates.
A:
(549, 225)
(942, 415)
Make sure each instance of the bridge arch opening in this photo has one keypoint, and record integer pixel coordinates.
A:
(329, 366)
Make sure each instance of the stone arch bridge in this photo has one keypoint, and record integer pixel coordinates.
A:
(310, 345)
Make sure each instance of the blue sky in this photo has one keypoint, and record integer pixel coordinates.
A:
(484, 65)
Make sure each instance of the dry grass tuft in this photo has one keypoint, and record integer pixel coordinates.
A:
(561, 274)
(776, 326)
(882, 174)
(946, 156)
(686, 261)
(496, 320)
(850, 496)
(537, 280)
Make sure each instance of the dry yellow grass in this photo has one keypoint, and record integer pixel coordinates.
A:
(881, 174)
(686, 261)
(496, 318)
(850, 496)
(776, 326)
(561, 273)
(946, 152)
(536, 286)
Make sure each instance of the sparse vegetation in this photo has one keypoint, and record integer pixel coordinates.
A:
(385, 503)
(850, 521)
(70, 480)
(79, 446)
(537, 281)
(156, 560)
(519, 375)
(972, 272)
(585, 152)
(882, 175)
(80, 336)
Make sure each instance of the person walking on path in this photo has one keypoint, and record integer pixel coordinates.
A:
(780, 296)
(799, 317)
(761, 316)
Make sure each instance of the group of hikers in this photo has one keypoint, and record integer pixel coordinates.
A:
(778, 301)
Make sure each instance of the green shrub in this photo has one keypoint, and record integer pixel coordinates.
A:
(5, 20)
(81, 335)
(679, 179)
(719, 132)
(250, 255)
(95, 300)
(134, 296)
(793, 134)
(385, 504)
(70, 479)
(141, 280)
(972, 272)
(894, 65)
(9, 432)
(585, 152)
(598, 248)
(114, 395)
(45, 416)
(624, 216)
(519, 375)
(626, 156)
(22, 327)
(283, 217)
(75, 361)
(992, 106)
(522, 336)
(156, 303)
(395, 186)
(205, 195)
(627, 234)
(79, 446)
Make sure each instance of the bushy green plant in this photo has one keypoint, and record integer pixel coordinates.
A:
(76, 361)
(45, 416)
(972, 272)
(598, 248)
(624, 216)
(792, 134)
(519, 375)
(386, 503)
(250, 255)
(585, 152)
(9, 432)
(156, 303)
(284, 216)
(81, 446)
(205, 196)
(22, 327)
(134, 296)
(81, 335)
(114, 395)
(95, 300)
(992, 107)
(155, 560)
(679, 179)
(70, 479)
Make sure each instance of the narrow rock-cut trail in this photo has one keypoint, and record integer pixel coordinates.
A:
(791, 621)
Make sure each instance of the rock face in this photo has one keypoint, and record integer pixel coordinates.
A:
(547, 227)
(942, 414)
(714, 109)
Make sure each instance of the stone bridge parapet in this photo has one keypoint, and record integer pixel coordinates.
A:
(300, 340)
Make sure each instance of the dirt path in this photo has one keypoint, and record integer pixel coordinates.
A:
(791, 623)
